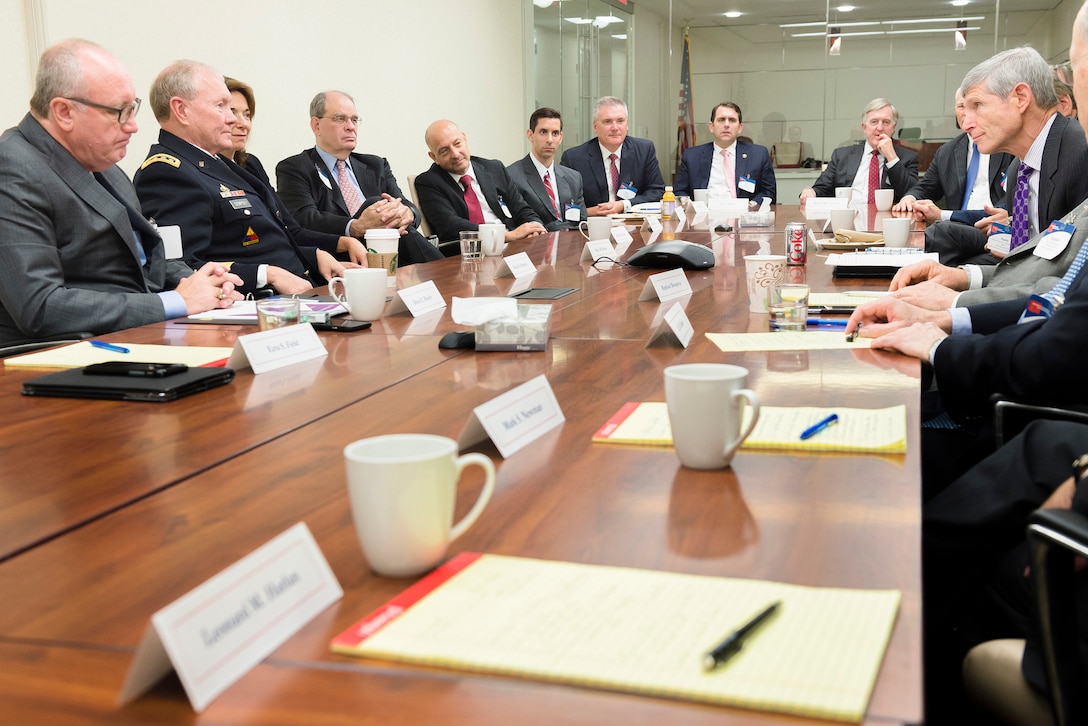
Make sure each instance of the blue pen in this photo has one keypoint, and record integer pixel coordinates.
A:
(109, 347)
(817, 428)
(825, 321)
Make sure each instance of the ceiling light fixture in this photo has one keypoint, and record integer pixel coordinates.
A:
(913, 21)
(732, 14)
(802, 25)
(960, 3)
(578, 21)
(845, 8)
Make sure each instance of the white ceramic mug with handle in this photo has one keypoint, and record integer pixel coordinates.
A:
(403, 488)
(363, 291)
(705, 412)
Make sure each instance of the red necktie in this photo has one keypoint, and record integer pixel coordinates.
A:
(347, 189)
(551, 192)
(874, 178)
(475, 213)
(615, 177)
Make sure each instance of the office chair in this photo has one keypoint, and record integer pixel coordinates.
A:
(27, 346)
(1011, 416)
(991, 671)
(446, 247)
(910, 132)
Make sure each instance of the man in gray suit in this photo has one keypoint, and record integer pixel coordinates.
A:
(552, 190)
(75, 253)
(1011, 106)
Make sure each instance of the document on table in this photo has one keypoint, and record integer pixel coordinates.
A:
(638, 631)
(877, 430)
(83, 353)
(841, 299)
(785, 340)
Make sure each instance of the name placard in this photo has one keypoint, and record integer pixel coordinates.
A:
(820, 207)
(518, 265)
(665, 286)
(673, 328)
(679, 213)
(271, 349)
(214, 634)
(698, 212)
(417, 300)
(622, 237)
(515, 419)
(598, 249)
(653, 224)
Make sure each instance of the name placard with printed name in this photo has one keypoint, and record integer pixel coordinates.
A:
(515, 419)
(653, 224)
(417, 300)
(518, 265)
(622, 236)
(217, 632)
(665, 286)
(671, 329)
(598, 249)
(271, 349)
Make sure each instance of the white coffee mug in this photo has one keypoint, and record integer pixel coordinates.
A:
(364, 292)
(844, 193)
(699, 195)
(704, 402)
(842, 218)
(762, 272)
(883, 199)
(492, 238)
(403, 488)
(896, 231)
(595, 228)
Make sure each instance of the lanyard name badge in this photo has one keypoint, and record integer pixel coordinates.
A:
(573, 212)
(747, 184)
(1039, 308)
(999, 239)
(627, 191)
(505, 209)
(1055, 240)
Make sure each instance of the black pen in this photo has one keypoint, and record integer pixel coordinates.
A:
(735, 640)
(853, 334)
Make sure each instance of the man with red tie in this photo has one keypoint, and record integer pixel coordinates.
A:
(459, 192)
(876, 163)
(552, 190)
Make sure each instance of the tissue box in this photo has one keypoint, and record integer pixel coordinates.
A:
(757, 219)
(528, 331)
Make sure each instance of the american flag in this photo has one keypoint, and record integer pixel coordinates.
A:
(685, 120)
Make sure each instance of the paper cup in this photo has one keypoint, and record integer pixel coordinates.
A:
(763, 273)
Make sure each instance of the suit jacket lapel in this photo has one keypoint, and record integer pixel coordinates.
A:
(563, 189)
(537, 184)
(367, 178)
(1051, 152)
(957, 175)
(596, 168)
(333, 189)
(490, 191)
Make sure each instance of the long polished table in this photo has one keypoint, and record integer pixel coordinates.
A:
(168, 495)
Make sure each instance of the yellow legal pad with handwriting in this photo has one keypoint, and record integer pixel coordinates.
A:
(638, 631)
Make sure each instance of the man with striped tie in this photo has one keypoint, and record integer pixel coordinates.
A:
(552, 190)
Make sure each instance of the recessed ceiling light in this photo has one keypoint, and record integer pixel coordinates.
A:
(732, 14)
(960, 3)
(845, 8)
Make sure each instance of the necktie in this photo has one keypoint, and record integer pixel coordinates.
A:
(730, 173)
(475, 212)
(615, 177)
(1021, 221)
(551, 192)
(972, 175)
(874, 177)
(347, 189)
(134, 218)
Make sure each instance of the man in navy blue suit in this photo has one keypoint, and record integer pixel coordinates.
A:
(749, 165)
(617, 170)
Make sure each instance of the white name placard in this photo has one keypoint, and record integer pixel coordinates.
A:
(597, 249)
(214, 634)
(653, 224)
(271, 349)
(417, 299)
(673, 329)
(518, 265)
(665, 286)
(698, 212)
(622, 236)
(679, 213)
(820, 207)
(515, 419)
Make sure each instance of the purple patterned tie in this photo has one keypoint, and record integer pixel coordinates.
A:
(1021, 220)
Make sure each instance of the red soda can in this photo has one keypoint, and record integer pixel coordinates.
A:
(796, 250)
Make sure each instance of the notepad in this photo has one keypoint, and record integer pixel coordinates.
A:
(862, 430)
(638, 631)
(785, 340)
(83, 353)
(841, 299)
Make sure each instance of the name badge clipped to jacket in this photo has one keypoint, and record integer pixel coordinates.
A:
(1055, 240)
(626, 191)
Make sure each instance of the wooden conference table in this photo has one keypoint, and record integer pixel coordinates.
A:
(110, 511)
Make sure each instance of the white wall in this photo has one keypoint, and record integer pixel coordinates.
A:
(390, 58)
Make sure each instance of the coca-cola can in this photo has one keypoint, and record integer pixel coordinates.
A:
(796, 250)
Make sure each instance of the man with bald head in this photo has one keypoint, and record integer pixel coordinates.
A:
(330, 188)
(460, 192)
(225, 213)
(76, 253)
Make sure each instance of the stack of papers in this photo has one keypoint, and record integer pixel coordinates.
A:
(638, 631)
(83, 353)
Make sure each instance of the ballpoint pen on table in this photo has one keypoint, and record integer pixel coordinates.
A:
(819, 426)
(851, 335)
(109, 346)
(826, 321)
(733, 642)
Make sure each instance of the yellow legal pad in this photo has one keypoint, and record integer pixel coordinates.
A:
(83, 353)
(879, 430)
(638, 631)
